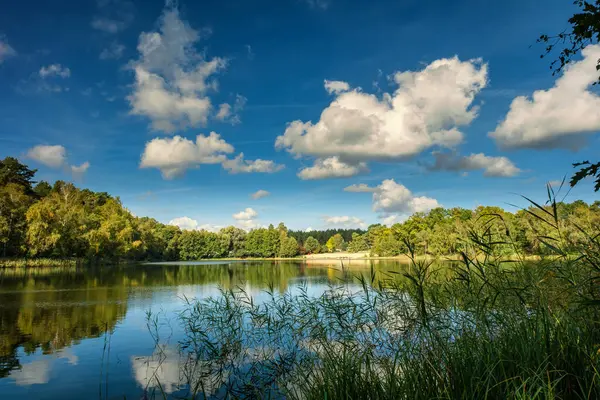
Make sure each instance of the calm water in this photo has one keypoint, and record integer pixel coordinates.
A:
(83, 334)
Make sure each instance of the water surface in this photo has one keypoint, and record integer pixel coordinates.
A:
(82, 333)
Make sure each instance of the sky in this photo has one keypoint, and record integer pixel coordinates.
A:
(317, 113)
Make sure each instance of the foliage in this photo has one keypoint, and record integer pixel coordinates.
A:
(358, 243)
(263, 242)
(288, 247)
(63, 221)
(336, 243)
(195, 245)
(323, 235)
(237, 241)
(312, 245)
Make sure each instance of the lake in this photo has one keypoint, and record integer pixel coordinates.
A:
(83, 333)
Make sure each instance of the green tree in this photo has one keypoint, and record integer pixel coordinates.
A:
(57, 224)
(12, 171)
(386, 245)
(42, 189)
(14, 203)
(288, 247)
(111, 233)
(312, 245)
(336, 243)
(237, 241)
(358, 243)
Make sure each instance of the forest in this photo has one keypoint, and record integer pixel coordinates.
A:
(61, 221)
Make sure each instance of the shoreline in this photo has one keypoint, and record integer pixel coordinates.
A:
(323, 259)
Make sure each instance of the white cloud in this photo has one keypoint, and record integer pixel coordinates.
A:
(54, 70)
(344, 221)
(336, 87)
(392, 197)
(309, 229)
(55, 156)
(559, 116)
(189, 224)
(172, 79)
(426, 110)
(260, 194)
(50, 156)
(230, 114)
(80, 170)
(6, 50)
(224, 112)
(239, 165)
(491, 166)
(331, 167)
(114, 51)
(248, 213)
(173, 156)
(45, 80)
(246, 219)
(184, 223)
(360, 188)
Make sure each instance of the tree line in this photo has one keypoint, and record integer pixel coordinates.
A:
(62, 221)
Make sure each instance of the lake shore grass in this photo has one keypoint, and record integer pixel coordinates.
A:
(474, 330)
(38, 262)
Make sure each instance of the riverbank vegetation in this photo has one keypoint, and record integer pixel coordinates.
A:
(482, 328)
(41, 223)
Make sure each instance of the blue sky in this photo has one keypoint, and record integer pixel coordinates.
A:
(318, 95)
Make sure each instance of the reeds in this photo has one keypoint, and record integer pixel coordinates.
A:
(489, 328)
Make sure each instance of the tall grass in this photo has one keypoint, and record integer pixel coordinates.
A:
(489, 328)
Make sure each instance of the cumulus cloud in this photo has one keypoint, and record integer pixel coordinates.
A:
(331, 167)
(344, 221)
(239, 166)
(260, 194)
(360, 188)
(246, 219)
(427, 109)
(50, 156)
(394, 198)
(172, 79)
(491, 166)
(54, 70)
(189, 224)
(336, 87)
(173, 156)
(184, 223)
(559, 116)
(230, 114)
(55, 156)
(114, 51)
(248, 213)
(6, 50)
